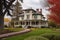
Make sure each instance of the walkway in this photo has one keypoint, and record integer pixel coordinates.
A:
(14, 33)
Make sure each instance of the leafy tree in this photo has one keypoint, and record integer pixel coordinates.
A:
(52, 24)
(55, 11)
(5, 7)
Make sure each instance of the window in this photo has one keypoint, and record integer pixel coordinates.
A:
(22, 23)
(27, 11)
(28, 16)
(33, 23)
(16, 23)
(22, 18)
(37, 22)
(35, 16)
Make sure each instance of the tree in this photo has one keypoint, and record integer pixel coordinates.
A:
(51, 24)
(16, 14)
(55, 11)
(5, 7)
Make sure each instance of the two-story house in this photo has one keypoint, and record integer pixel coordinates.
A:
(27, 17)
(31, 18)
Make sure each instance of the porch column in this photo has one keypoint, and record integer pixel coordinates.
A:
(30, 23)
(25, 22)
(14, 24)
(39, 24)
(35, 23)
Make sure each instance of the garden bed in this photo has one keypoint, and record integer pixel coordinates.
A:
(5, 31)
(9, 30)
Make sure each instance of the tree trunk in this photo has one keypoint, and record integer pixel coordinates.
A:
(1, 22)
(1, 16)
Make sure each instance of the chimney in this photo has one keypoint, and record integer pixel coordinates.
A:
(40, 11)
(37, 10)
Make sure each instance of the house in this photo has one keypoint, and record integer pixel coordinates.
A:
(31, 18)
(27, 17)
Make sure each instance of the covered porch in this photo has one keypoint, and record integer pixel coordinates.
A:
(31, 23)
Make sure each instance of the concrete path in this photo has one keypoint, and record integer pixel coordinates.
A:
(14, 33)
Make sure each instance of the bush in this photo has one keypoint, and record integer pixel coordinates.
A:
(36, 38)
(5, 31)
(44, 27)
(51, 36)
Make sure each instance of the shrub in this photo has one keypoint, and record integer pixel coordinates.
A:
(5, 31)
(36, 38)
(44, 27)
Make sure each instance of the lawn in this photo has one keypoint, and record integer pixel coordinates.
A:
(34, 32)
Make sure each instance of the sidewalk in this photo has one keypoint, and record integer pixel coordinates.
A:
(14, 33)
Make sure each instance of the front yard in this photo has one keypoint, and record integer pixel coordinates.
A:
(34, 32)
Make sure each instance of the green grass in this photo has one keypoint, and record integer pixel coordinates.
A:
(34, 32)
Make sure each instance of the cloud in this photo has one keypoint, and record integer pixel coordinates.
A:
(31, 3)
(35, 4)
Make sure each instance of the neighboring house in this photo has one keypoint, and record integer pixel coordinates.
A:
(6, 21)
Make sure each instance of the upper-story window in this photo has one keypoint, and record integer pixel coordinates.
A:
(35, 16)
(27, 11)
(28, 16)
(33, 12)
(22, 17)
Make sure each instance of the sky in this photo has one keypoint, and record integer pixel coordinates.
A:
(35, 4)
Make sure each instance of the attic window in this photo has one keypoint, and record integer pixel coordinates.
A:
(27, 11)
(35, 16)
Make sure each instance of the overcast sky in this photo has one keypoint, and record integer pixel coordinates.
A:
(35, 4)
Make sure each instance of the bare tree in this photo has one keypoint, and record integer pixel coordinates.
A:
(5, 6)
